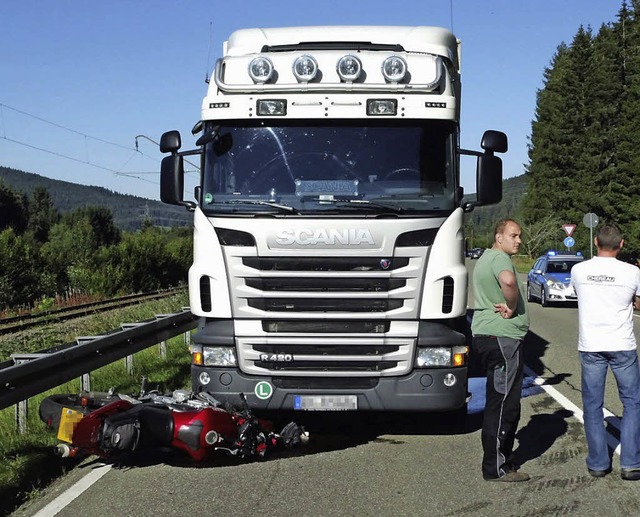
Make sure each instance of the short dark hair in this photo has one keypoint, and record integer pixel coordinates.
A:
(609, 237)
(501, 224)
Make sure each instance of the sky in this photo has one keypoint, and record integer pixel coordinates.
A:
(82, 82)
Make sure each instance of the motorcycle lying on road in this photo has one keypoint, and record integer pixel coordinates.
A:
(108, 424)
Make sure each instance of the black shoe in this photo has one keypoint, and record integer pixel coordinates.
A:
(512, 477)
(598, 473)
(630, 474)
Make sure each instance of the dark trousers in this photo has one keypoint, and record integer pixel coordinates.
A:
(502, 359)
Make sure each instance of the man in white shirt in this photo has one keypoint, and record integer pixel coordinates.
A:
(607, 290)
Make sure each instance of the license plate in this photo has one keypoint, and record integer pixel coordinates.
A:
(325, 402)
(68, 420)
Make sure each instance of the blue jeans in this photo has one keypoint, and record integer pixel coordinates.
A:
(624, 366)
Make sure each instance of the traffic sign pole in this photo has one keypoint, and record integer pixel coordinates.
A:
(590, 220)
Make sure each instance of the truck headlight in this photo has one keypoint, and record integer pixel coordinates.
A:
(441, 356)
(219, 356)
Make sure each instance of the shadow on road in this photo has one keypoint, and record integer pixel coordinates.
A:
(540, 433)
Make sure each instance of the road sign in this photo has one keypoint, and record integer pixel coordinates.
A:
(568, 228)
(590, 220)
(569, 242)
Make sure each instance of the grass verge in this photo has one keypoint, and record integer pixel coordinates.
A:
(27, 462)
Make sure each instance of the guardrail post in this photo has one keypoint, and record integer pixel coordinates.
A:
(128, 360)
(187, 334)
(22, 415)
(128, 364)
(22, 407)
(163, 343)
(85, 382)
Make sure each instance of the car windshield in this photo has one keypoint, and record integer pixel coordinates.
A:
(342, 167)
(561, 266)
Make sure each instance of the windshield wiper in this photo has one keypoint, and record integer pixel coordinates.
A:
(365, 203)
(277, 206)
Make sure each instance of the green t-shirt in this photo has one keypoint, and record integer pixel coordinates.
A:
(487, 291)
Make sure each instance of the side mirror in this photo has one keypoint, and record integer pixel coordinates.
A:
(172, 181)
(489, 180)
(494, 141)
(170, 142)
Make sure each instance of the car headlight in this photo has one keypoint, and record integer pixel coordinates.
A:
(441, 356)
(214, 356)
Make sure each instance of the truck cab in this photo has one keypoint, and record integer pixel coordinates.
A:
(328, 265)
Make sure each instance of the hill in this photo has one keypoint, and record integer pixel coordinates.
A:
(481, 221)
(128, 211)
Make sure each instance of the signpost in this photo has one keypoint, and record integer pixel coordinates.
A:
(590, 220)
(568, 229)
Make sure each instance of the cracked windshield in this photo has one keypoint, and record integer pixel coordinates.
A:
(294, 169)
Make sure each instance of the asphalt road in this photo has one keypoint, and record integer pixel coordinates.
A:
(396, 466)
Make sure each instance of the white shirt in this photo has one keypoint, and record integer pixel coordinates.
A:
(606, 289)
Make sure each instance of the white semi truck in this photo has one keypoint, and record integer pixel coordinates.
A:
(328, 267)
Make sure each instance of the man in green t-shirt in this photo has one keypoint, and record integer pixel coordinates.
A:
(500, 322)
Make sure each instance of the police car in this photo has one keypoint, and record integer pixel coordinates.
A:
(548, 280)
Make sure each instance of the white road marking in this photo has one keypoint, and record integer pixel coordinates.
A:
(72, 493)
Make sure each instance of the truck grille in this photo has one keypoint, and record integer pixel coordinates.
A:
(347, 316)
(327, 285)
(341, 356)
(323, 263)
(322, 305)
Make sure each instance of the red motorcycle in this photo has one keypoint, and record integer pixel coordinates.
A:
(107, 424)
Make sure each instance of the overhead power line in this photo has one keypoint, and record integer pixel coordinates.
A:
(130, 174)
(62, 127)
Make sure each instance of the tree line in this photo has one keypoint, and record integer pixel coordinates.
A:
(45, 254)
(584, 152)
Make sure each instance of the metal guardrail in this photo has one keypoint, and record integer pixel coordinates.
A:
(26, 375)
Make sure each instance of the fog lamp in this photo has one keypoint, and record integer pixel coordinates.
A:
(449, 380)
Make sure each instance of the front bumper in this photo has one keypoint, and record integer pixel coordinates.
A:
(421, 390)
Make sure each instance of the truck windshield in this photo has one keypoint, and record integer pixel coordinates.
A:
(293, 168)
